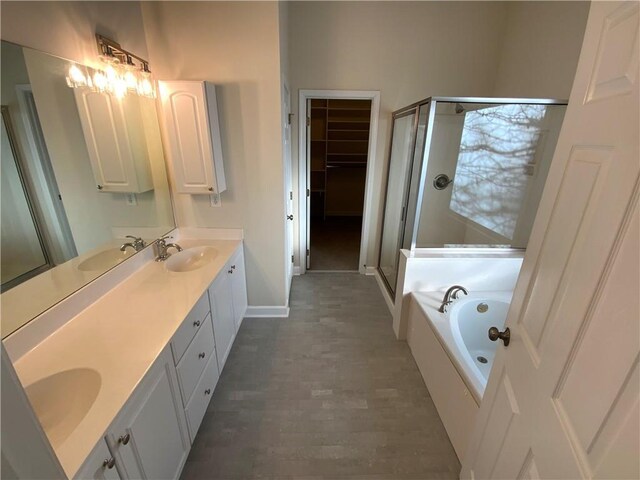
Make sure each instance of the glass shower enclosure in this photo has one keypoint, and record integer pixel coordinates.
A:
(465, 172)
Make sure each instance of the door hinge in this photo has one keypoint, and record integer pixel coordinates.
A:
(291, 258)
(289, 117)
(308, 121)
(308, 192)
(290, 195)
(308, 252)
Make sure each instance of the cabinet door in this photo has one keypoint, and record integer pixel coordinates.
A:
(191, 126)
(224, 329)
(99, 465)
(150, 436)
(238, 287)
(115, 141)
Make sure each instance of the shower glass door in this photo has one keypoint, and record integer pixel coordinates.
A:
(400, 162)
(23, 253)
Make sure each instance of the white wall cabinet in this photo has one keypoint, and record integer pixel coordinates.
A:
(114, 134)
(238, 287)
(192, 132)
(149, 438)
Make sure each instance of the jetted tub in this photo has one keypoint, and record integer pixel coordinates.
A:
(454, 353)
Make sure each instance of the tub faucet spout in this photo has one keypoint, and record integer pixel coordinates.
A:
(450, 296)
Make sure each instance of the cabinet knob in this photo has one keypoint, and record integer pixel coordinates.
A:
(207, 391)
(201, 355)
(233, 267)
(109, 463)
(229, 271)
(196, 323)
(124, 439)
(211, 189)
(99, 187)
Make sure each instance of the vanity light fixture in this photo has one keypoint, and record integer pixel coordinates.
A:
(122, 72)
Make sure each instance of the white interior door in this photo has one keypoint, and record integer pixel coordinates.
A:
(563, 397)
(288, 186)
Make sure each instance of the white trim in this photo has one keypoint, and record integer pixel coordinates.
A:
(267, 312)
(304, 95)
(369, 270)
(296, 270)
(383, 290)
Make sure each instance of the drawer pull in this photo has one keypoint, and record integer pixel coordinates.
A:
(233, 267)
(196, 323)
(207, 391)
(109, 463)
(229, 271)
(124, 439)
(201, 355)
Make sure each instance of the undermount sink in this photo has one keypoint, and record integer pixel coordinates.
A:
(63, 399)
(105, 259)
(190, 259)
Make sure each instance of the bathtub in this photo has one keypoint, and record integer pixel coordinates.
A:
(454, 354)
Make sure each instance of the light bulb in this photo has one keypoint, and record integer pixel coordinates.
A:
(131, 80)
(100, 81)
(119, 88)
(76, 76)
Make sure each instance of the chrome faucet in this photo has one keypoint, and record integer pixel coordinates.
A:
(137, 244)
(162, 246)
(450, 296)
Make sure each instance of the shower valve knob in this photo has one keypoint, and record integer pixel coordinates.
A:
(442, 181)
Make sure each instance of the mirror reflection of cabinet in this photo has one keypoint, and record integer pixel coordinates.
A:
(193, 135)
(114, 132)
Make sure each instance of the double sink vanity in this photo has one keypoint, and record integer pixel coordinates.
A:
(121, 387)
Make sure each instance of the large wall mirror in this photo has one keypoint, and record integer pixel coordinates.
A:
(83, 177)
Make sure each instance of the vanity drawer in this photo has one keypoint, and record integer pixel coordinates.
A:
(195, 359)
(201, 397)
(189, 327)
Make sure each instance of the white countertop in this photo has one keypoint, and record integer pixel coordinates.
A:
(120, 336)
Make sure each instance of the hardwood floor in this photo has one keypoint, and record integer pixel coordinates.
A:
(327, 393)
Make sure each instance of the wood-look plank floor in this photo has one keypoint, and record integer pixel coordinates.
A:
(325, 394)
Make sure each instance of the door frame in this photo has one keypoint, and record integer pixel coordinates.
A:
(288, 181)
(303, 170)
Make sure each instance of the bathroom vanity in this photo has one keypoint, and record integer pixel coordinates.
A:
(121, 388)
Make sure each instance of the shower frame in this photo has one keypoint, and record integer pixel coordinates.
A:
(413, 199)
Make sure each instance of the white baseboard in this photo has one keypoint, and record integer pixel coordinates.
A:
(267, 312)
(297, 270)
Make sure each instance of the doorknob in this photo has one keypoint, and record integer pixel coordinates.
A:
(495, 334)
(289, 217)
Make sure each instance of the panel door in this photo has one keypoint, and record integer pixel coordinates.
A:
(224, 328)
(238, 287)
(563, 397)
(184, 106)
(105, 132)
(100, 465)
(154, 421)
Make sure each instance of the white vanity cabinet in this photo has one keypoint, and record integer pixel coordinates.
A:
(100, 465)
(192, 134)
(149, 437)
(224, 326)
(238, 286)
(115, 138)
